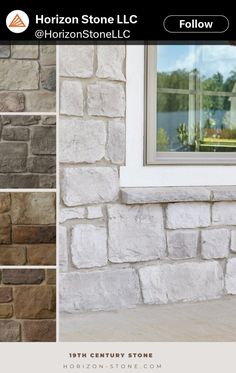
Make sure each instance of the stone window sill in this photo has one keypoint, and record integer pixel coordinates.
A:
(177, 194)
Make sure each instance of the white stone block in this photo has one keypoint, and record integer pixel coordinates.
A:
(188, 215)
(215, 243)
(71, 213)
(71, 98)
(116, 142)
(136, 233)
(110, 61)
(63, 253)
(95, 212)
(230, 278)
(76, 60)
(182, 244)
(224, 213)
(233, 241)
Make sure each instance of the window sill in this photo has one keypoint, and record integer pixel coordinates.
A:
(177, 194)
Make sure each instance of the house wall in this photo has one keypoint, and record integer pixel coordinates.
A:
(120, 248)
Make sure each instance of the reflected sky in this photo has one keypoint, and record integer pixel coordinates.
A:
(208, 59)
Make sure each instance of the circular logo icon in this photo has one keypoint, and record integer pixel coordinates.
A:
(17, 21)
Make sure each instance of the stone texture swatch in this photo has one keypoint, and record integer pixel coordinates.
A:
(27, 78)
(27, 229)
(121, 248)
(27, 151)
(27, 305)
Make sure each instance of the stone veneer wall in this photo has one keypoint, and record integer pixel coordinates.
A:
(27, 78)
(118, 248)
(27, 151)
(27, 305)
(27, 228)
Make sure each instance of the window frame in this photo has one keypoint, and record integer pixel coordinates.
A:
(136, 173)
(155, 157)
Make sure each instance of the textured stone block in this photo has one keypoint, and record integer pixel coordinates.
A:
(35, 302)
(63, 253)
(224, 193)
(15, 134)
(94, 212)
(98, 290)
(5, 229)
(33, 208)
(21, 120)
(47, 181)
(47, 54)
(24, 51)
(82, 141)
(188, 215)
(12, 255)
(42, 164)
(135, 233)
(224, 213)
(40, 101)
(181, 282)
(13, 157)
(22, 276)
(5, 202)
(43, 254)
(89, 185)
(51, 276)
(116, 142)
(19, 181)
(110, 61)
(71, 213)
(230, 278)
(12, 102)
(71, 96)
(5, 311)
(215, 243)
(5, 51)
(48, 120)
(106, 99)
(89, 246)
(182, 244)
(43, 140)
(9, 331)
(233, 241)
(48, 78)
(76, 60)
(33, 234)
(39, 331)
(5, 294)
(19, 75)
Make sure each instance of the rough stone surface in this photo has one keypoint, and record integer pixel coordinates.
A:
(15, 134)
(233, 241)
(11, 102)
(5, 311)
(40, 101)
(94, 212)
(47, 54)
(116, 142)
(97, 184)
(106, 99)
(48, 78)
(43, 140)
(72, 102)
(76, 60)
(110, 61)
(35, 302)
(12, 255)
(45, 254)
(82, 141)
(224, 213)
(224, 193)
(99, 290)
(39, 331)
(5, 51)
(13, 157)
(167, 194)
(188, 215)
(135, 233)
(215, 243)
(182, 244)
(63, 255)
(5, 294)
(51, 276)
(71, 213)
(42, 165)
(230, 278)
(22, 276)
(9, 331)
(89, 246)
(33, 234)
(181, 282)
(5, 202)
(33, 208)
(24, 51)
(19, 75)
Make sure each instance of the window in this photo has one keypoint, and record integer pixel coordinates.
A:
(191, 104)
(136, 172)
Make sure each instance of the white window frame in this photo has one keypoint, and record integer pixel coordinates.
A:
(135, 173)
